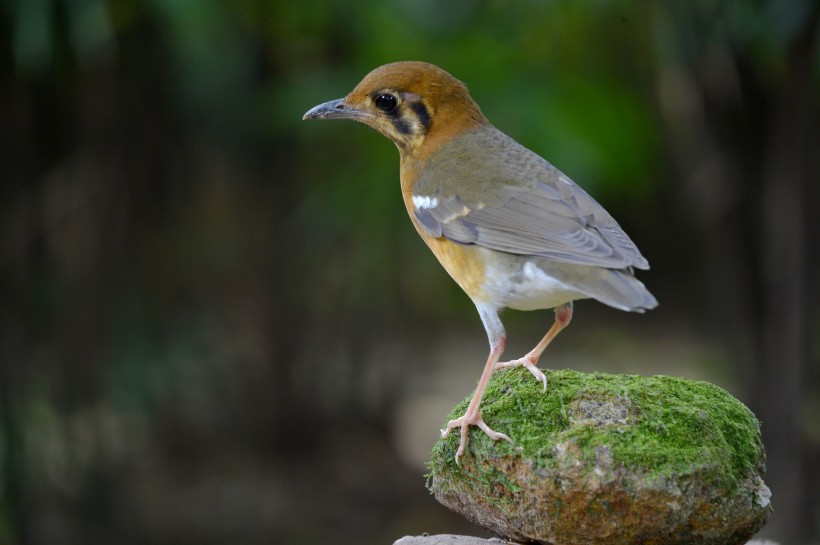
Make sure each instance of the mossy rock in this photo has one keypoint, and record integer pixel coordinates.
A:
(608, 459)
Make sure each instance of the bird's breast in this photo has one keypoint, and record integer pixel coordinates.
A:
(462, 262)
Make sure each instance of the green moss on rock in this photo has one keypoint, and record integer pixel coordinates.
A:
(610, 451)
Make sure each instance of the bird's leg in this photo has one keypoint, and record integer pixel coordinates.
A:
(497, 336)
(563, 315)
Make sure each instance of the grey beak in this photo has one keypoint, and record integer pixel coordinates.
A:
(335, 109)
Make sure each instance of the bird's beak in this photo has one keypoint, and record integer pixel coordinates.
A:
(335, 109)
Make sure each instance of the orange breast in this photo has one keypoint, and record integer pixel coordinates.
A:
(463, 262)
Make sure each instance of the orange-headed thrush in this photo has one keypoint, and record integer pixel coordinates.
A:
(511, 229)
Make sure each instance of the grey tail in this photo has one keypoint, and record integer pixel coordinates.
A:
(617, 288)
(621, 290)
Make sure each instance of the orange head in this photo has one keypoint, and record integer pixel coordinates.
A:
(415, 104)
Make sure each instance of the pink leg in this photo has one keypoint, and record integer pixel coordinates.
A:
(473, 415)
(563, 315)
(495, 332)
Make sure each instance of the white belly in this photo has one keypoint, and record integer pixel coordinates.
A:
(512, 284)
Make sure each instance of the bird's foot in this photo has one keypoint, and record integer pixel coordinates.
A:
(528, 363)
(464, 423)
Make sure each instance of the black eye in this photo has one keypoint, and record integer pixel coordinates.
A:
(386, 102)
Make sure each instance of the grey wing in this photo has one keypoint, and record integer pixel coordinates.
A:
(546, 216)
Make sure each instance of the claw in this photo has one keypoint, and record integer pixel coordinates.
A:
(529, 365)
(464, 423)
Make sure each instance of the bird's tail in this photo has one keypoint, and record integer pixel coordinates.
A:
(617, 288)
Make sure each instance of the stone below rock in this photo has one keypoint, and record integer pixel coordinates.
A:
(449, 539)
(608, 460)
(446, 539)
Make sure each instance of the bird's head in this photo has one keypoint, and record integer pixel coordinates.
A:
(415, 104)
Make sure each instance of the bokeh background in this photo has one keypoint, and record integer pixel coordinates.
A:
(217, 325)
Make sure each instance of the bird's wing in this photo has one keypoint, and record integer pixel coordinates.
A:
(514, 201)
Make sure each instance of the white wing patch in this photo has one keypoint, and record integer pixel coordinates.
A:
(422, 202)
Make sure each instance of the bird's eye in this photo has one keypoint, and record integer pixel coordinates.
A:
(386, 102)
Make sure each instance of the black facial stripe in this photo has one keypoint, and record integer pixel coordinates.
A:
(423, 115)
(401, 125)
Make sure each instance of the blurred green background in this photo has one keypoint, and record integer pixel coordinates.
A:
(217, 325)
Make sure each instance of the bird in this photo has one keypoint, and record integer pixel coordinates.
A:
(511, 229)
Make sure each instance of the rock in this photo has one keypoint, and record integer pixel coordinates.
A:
(610, 460)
